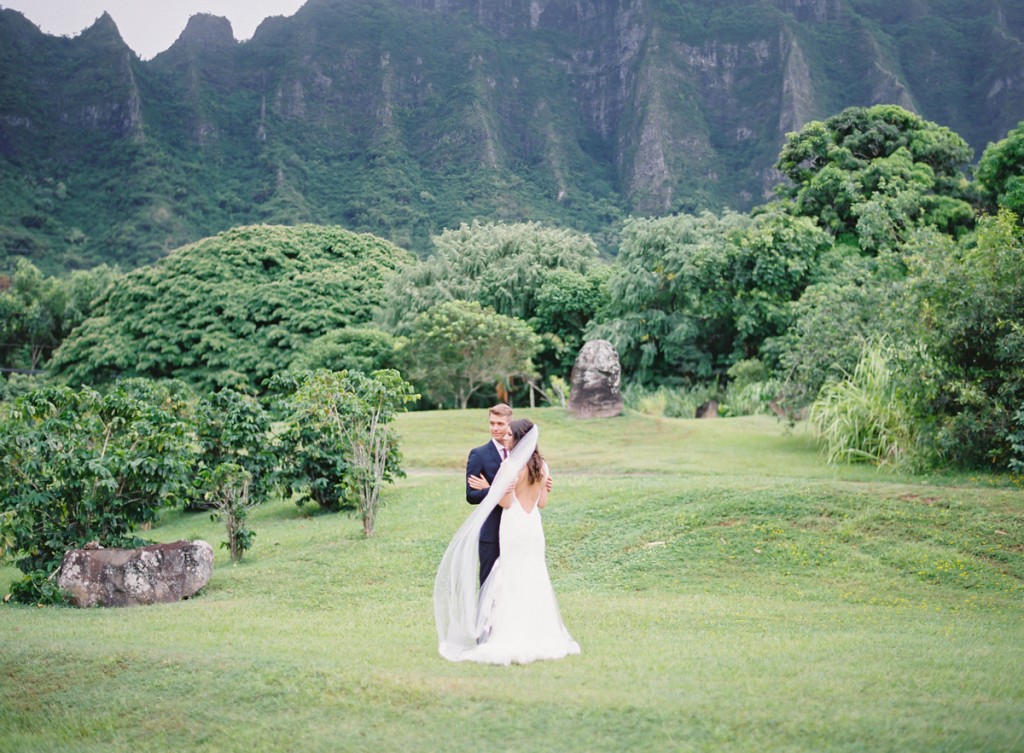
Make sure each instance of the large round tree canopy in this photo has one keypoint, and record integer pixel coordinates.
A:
(232, 309)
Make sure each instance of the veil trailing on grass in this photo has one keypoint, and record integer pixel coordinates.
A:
(455, 588)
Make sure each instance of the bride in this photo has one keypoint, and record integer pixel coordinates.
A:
(514, 618)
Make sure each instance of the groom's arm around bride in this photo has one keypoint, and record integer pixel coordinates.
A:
(481, 467)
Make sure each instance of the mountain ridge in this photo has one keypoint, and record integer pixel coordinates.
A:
(402, 117)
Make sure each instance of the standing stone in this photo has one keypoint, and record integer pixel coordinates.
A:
(707, 410)
(159, 573)
(595, 382)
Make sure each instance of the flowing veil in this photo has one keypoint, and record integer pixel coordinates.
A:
(455, 588)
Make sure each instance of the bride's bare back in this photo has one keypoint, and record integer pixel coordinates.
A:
(529, 494)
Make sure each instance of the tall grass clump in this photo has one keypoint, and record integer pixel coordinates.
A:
(864, 418)
(667, 402)
(749, 392)
(751, 389)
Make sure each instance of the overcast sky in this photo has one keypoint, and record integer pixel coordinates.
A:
(148, 26)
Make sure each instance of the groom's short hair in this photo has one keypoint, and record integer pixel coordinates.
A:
(500, 410)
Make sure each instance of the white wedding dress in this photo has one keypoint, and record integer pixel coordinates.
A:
(514, 617)
(519, 621)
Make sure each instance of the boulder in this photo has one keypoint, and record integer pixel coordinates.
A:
(160, 573)
(594, 391)
(708, 410)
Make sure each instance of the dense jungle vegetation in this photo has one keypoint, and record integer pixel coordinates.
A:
(403, 119)
(882, 296)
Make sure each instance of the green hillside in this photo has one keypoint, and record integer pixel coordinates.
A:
(402, 118)
(729, 590)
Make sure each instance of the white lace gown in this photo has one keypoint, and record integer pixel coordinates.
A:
(519, 619)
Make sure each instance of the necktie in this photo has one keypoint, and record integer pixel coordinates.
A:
(504, 453)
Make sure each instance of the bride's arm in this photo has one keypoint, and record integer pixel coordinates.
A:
(545, 487)
(510, 494)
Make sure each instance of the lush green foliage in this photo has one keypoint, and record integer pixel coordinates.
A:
(312, 466)
(351, 349)
(1000, 172)
(567, 302)
(668, 314)
(1016, 438)
(731, 592)
(865, 418)
(350, 414)
(31, 308)
(546, 276)
(690, 302)
(691, 295)
(79, 467)
(878, 172)
(231, 310)
(233, 428)
(455, 349)
(435, 115)
(967, 301)
(229, 490)
(949, 385)
(37, 312)
(848, 303)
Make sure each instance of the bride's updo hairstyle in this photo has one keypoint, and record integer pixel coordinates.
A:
(535, 465)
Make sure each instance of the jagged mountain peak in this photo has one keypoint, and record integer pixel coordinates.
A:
(14, 24)
(208, 32)
(404, 117)
(103, 31)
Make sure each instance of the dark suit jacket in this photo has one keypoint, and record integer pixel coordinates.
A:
(484, 461)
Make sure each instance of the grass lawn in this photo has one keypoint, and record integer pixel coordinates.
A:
(730, 592)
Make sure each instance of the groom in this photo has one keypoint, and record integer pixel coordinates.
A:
(481, 468)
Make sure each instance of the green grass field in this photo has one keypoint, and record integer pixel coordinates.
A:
(730, 591)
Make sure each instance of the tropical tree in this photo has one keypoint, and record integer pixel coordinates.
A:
(83, 287)
(566, 303)
(501, 266)
(454, 349)
(523, 270)
(940, 375)
(233, 309)
(31, 313)
(850, 300)
(691, 295)
(234, 428)
(878, 172)
(353, 412)
(772, 262)
(1000, 172)
(351, 349)
(966, 302)
(669, 316)
(311, 465)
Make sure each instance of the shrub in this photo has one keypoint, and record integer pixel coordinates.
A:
(1016, 438)
(751, 389)
(966, 301)
(229, 489)
(77, 466)
(234, 428)
(863, 418)
(341, 421)
(667, 402)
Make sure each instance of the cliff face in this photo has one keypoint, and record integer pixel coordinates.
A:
(402, 117)
(51, 86)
